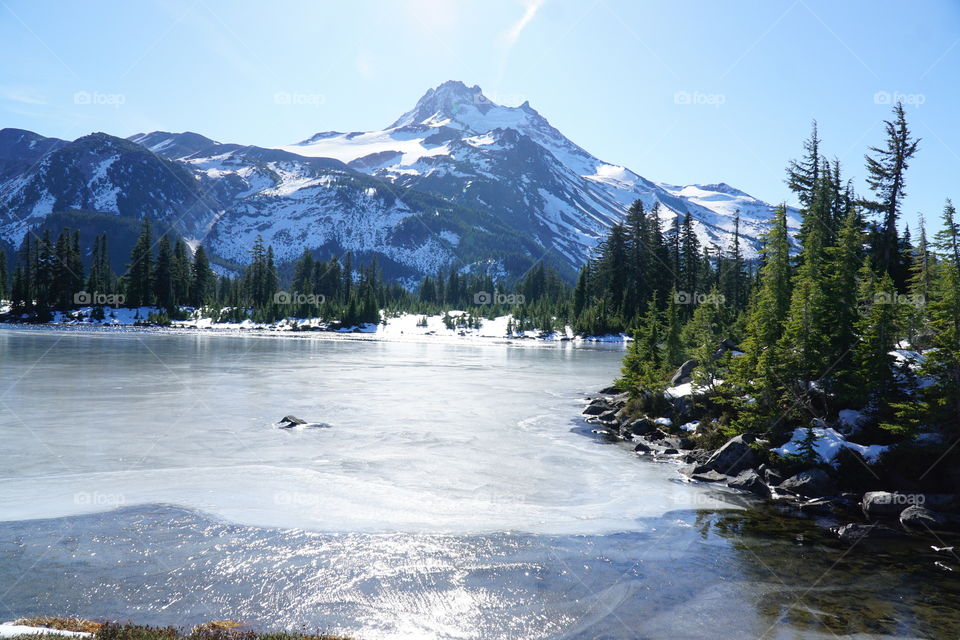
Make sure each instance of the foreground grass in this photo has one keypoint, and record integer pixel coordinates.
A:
(215, 630)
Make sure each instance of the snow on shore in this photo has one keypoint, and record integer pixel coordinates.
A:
(399, 327)
(9, 630)
(828, 444)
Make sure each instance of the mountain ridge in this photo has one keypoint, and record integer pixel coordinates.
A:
(457, 180)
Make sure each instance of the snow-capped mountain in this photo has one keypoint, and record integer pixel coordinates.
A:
(511, 161)
(456, 181)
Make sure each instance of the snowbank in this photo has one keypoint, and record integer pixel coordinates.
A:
(9, 630)
(690, 427)
(828, 444)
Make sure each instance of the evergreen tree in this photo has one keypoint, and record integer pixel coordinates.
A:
(689, 258)
(139, 275)
(942, 363)
(163, 275)
(181, 273)
(877, 328)
(202, 279)
(885, 175)
(803, 175)
(673, 352)
(3, 275)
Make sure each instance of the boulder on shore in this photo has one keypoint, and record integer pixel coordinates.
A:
(812, 483)
(733, 457)
(749, 480)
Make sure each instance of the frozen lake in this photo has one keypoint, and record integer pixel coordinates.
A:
(456, 494)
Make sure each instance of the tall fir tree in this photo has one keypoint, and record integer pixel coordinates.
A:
(139, 277)
(886, 169)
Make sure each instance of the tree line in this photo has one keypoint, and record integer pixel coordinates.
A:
(815, 324)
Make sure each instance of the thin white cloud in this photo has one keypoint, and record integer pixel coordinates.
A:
(23, 95)
(513, 33)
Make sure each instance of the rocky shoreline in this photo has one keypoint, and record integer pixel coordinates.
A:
(817, 492)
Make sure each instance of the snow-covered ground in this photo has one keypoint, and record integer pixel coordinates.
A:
(406, 326)
(828, 444)
(9, 630)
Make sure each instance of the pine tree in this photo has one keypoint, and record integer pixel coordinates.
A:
(689, 258)
(878, 328)
(733, 278)
(844, 261)
(702, 335)
(163, 275)
(943, 361)
(642, 368)
(920, 288)
(4, 291)
(140, 270)
(804, 354)
(202, 279)
(672, 343)
(181, 273)
(885, 175)
(771, 303)
(803, 175)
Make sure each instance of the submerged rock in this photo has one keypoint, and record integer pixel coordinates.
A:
(854, 532)
(917, 518)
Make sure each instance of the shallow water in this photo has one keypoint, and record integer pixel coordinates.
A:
(455, 496)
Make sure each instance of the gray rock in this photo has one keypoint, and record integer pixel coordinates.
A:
(683, 373)
(886, 504)
(670, 452)
(709, 476)
(916, 518)
(749, 480)
(813, 483)
(291, 421)
(725, 345)
(733, 457)
(597, 407)
(609, 415)
(854, 532)
(642, 427)
(643, 447)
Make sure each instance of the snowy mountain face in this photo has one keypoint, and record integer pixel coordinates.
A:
(512, 162)
(455, 181)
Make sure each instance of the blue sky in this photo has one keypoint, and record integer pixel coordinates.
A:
(681, 92)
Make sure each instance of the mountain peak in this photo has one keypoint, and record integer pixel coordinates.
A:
(444, 102)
